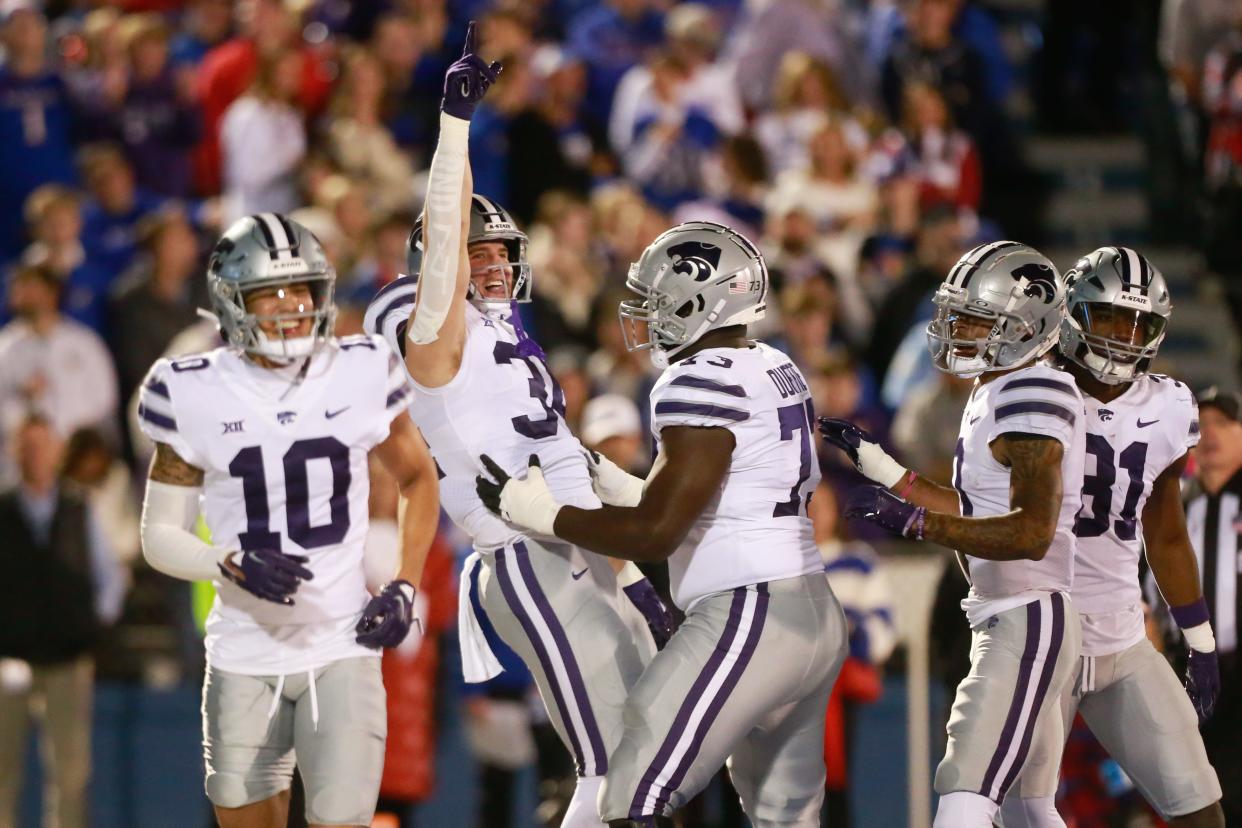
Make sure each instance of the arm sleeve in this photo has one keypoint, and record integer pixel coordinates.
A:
(442, 218)
(157, 416)
(1187, 434)
(699, 396)
(1037, 403)
(168, 542)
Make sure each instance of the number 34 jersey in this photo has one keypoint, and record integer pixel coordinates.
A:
(756, 529)
(508, 407)
(284, 465)
(1130, 442)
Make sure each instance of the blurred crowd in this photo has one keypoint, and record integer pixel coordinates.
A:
(863, 145)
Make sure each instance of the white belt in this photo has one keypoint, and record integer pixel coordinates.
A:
(478, 662)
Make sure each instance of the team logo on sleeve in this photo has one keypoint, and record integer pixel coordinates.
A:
(695, 259)
(1037, 281)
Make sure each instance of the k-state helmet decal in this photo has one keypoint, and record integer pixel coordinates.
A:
(1038, 281)
(696, 259)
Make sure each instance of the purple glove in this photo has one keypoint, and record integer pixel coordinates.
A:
(388, 616)
(467, 80)
(878, 505)
(269, 574)
(659, 620)
(1203, 682)
(844, 435)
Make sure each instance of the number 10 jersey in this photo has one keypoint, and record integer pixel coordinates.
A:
(284, 466)
(508, 407)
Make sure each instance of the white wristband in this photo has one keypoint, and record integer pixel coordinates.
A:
(875, 463)
(1200, 637)
(168, 514)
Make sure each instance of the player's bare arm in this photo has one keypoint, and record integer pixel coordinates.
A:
(1034, 497)
(695, 462)
(168, 467)
(404, 454)
(1166, 540)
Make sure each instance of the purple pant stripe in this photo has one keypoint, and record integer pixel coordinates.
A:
(687, 706)
(515, 605)
(722, 695)
(1041, 690)
(578, 687)
(1019, 696)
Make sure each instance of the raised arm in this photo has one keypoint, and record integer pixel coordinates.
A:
(435, 335)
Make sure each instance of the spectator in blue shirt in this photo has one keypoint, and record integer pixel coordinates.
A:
(35, 122)
(204, 25)
(611, 38)
(110, 217)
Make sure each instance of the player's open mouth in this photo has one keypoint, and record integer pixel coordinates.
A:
(495, 288)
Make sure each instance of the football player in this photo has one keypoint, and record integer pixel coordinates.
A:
(481, 385)
(1017, 484)
(1140, 427)
(748, 674)
(269, 439)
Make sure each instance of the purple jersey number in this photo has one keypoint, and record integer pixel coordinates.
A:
(248, 465)
(797, 418)
(553, 404)
(1100, 486)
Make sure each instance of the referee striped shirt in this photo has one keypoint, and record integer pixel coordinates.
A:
(1215, 526)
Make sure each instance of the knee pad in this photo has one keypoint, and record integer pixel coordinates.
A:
(231, 790)
(964, 809)
(339, 804)
(1036, 812)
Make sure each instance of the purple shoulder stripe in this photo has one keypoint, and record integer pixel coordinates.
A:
(156, 418)
(158, 387)
(691, 381)
(1035, 407)
(1039, 382)
(719, 412)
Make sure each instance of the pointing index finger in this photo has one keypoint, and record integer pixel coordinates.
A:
(471, 40)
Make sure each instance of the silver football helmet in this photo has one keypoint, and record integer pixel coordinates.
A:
(488, 222)
(1010, 296)
(1117, 313)
(268, 250)
(694, 278)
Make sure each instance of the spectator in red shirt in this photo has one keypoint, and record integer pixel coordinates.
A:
(267, 28)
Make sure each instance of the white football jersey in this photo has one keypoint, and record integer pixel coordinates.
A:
(284, 465)
(1130, 442)
(1038, 399)
(507, 407)
(756, 529)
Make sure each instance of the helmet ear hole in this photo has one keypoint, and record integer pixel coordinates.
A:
(685, 310)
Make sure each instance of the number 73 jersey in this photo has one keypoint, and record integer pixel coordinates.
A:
(756, 529)
(284, 464)
(1130, 442)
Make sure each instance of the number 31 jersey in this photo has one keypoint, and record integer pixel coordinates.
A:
(756, 529)
(1130, 442)
(285, 466)
(501, 404)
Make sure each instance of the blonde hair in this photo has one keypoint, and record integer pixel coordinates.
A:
(795, 68)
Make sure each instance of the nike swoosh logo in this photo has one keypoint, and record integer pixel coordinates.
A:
(976, 419)
(1142, 424)
(577, 575)
(330, 414)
